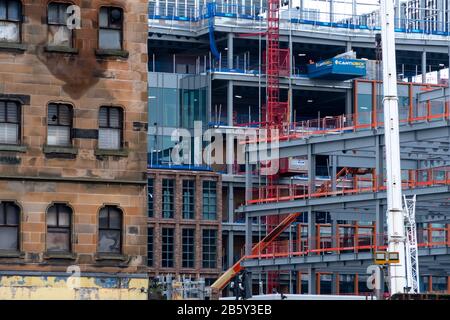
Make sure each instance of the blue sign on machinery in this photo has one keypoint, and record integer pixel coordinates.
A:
(337, 69)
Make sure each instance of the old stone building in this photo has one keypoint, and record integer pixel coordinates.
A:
(73, 141)
(184, 223)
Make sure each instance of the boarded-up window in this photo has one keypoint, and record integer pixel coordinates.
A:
(59, 33)
(59, 218)
(110, 128)
(59, 122)
(110, 28)
(110, 230)
(9, 122)
(10, 20)
(9, 226)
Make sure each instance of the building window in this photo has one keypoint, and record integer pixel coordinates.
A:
(188, 199)
(150, 200)
(9, 226)
(110, 230)
(167, 248)
(167, 199)
(209, 200)
(10, 20)
(59, 217)
(110, 128)
(9, 122)
(209, 242)
(188, 248)
(150, 247)
(59, 120)
(110, 28)
(59, 33)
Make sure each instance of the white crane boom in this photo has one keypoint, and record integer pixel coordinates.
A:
(395, 214)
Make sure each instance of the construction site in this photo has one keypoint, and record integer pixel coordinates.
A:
(357, 93)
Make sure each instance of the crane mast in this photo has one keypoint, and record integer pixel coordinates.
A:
(395, 213)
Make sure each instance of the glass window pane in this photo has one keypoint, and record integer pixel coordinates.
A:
(103, 17)
(51, 217)
(3, 10)
(109, 241)
(115, 221)
(65, 115)
(58, 240)
(64, 218)
(13, 112)
(8, 238)
(114, 118)
(2, 111)
(9, 133)
(103, 117)
(110, 39)
(103, 218)
(109, 139)
(115, 18)
(58, 136)
(12, 215)
(60, 36)
(9, 31)
(14, 10)
(52, 13)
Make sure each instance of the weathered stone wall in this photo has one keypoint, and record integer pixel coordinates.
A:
(35, 176)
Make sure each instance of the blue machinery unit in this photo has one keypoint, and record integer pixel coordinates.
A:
(337, 69)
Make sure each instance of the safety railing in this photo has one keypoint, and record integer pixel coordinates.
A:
(350, 184)
(336, 244)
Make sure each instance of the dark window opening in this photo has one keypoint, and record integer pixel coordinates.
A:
(188, 199)
(168, 198)
(10, 20)
(188, 248)
(167, 248)
(110, 128)
(150, 195)
(59, 217)
(110, 28)
(150, 247)
(9, 226)
(9, 122)
(209, 200)
(209, 245)
(59, 33)
(59, 120)
(110, 230)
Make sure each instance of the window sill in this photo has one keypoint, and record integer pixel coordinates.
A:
(110, 256)
(13, 148)
(59, 255)
(60, 150)
(61, 49)
(107, 152)
(112, 53)
(13, 46)
(11, 254)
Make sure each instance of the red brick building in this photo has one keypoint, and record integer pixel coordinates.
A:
(73, 119)
(185, 235)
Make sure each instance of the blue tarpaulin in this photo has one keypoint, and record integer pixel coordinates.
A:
(337, 69)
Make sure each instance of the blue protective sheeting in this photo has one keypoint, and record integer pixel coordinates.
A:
(212, 41)
(337, 69)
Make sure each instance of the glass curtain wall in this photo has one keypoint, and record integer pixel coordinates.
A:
(175, 101)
